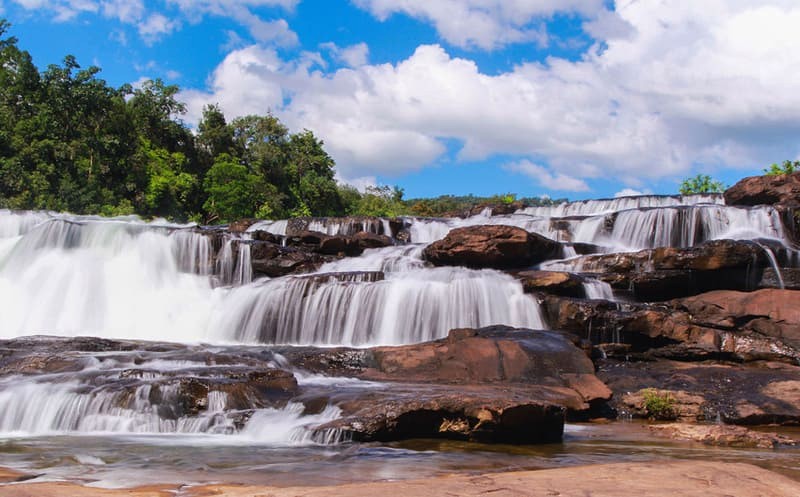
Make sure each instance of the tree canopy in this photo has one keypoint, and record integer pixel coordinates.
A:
(71, 142)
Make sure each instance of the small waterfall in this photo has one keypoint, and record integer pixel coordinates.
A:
(235, 269)
(407, 307)
(597, 290)
(774, 263)
(607, 206)
(33, 408)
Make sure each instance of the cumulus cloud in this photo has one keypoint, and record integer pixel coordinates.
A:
(353, 56)
(153, 24)
(485, 24)
(546, 178)
(674, 84)
(630, 192)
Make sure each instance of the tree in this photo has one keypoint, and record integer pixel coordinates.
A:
(234, 192)
(309, 174)
(702, 183)
(381, 201)
(787, 167)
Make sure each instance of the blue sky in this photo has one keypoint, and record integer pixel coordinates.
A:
(569, 98)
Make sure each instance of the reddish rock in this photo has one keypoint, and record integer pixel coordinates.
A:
(758, 190)
(492, 246)
(552, 282)
(721, 435)
(364, 240)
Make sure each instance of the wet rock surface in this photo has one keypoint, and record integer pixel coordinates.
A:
(666, 273)
(722, 435)
(496, 384)
(492, 246)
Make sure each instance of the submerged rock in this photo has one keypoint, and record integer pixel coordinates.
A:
(492, 246)
(721, 435)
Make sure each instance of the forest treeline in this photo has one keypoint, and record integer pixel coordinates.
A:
(71, 142)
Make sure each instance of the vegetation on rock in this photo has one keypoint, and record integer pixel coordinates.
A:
(786, 167)
(702, 183)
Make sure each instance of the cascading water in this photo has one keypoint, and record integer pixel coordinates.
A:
(408, 306)
(127, 279)
(124, 278)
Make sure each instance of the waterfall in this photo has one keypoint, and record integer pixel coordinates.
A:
(407, 307)
(30, 407)
(598, 290)
(607, 206)
(75, 275)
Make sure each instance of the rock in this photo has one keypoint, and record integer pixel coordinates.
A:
(265, 236)
(666, 273)
(663, 404)
(789, 277)
(241, 225)
(492, 246)
(721, 435)
(760, 190)
(482, 414)
(743, 394)
(496, 354)
(350, 245)
(662, 478)
(268, 259)
(495, 384)
(552, 282)
(769, 312)
(742, 326)
(364, 240)
(335, 245)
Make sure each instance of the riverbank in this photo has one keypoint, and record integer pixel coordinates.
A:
(654, 479)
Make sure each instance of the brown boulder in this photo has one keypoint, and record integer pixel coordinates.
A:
(666, 273)
(365, 240)
(477, 413)
(269, 259)
(492, 246)
(552, 282)
(760, 190)
(493, 355)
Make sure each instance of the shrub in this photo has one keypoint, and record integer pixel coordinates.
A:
(659, 405)
(702, 183)
(787, 167)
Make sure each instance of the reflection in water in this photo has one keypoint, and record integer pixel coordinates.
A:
(134, 460)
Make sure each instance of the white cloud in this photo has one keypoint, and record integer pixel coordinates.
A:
(353, 56)
(546, 178)
(628, 192)
(155, 26)
(486, 24)
(272, 31)
(127, 11)
(674, 84)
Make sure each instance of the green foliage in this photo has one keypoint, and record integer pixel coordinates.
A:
(381, 201)
(234, 192)
(659, 405)
(702, 183)
(786, 167)
(71, 142)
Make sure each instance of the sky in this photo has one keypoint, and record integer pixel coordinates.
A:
(566, 98)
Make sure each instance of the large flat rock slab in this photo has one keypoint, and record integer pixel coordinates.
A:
(654, 479)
